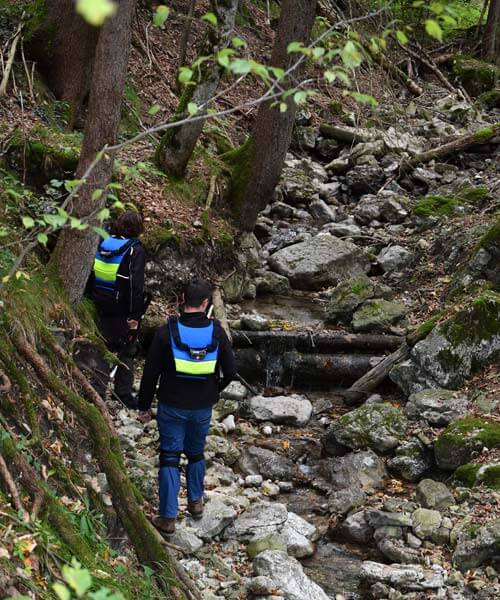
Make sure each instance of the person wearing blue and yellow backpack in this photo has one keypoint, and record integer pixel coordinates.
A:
(116, 286)
(192, 359)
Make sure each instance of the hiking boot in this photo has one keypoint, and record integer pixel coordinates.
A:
(195, 508)
(165, 525)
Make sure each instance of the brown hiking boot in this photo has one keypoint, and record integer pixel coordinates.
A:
(195, 508)
(165, 525)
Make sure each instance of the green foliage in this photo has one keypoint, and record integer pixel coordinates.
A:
(435, 206)
(161, 15)
(96, 12)
(491, 239)
(489, 100)
(157, 237)
(475, 75)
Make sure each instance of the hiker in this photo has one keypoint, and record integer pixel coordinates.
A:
(192, 358)
(117, 289)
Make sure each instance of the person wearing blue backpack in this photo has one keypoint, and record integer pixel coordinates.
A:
(116, 287)
(192, 359)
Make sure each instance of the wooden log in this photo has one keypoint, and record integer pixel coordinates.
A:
(308, 341)
(346, 134)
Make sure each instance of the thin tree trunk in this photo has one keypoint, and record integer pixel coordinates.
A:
(64, 49)
(491, 32)
(177, 145)
(259, 162)
(186, 33)
(75, 249)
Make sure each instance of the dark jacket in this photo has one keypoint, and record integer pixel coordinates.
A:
(130, 287)
(181, 392)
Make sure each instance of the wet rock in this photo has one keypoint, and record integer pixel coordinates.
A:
(260, 586)
(434, 494)
(462, 439)
(380, 427)
(254, 322)
(258, 521)
(412, 459)
(455, 349)
(272, 283)
(408, 577)
(437, 407)
(394, 258)
(289, 576)
(378, 315)
(272, 541)
(361, 470)
(364, 179)
(354, 529)
(216, 517)
(343, 501)
(321, 261)
(321, 212)
(260, 461)
(426, 523)
(476, 545)
(289, 410)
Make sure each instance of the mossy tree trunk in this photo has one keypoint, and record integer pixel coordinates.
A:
(257, 165)
(64, 49)
(491, 37)
(177, 145)
(75, 249)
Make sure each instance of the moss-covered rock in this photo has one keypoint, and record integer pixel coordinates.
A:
(489, 99)
(475, 75)
(378, 315)
(435, 206)
(462, 438)
(380, 427)
(462, 345)
(473, 474)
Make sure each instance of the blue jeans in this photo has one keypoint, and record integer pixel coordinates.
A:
(181, 430)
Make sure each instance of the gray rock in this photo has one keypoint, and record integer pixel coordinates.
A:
(362, 470)
(434, 494)
(186, 538)
(380, 427)
(375, 148)
(260, 586)
(476, 545)
(342, 230)
(354, 529)
(343, 501)
(304, 138)
(300, 180)
(392, 211)
(253, 480)
(348, 296)
(378, 315)
(437, 407)
(321, 212)
(222, 448)
(255, 461)
(380, 518)
(367, 209)
(453, 350)
(270, 541)
(394, 258)
(289, 576)
(235, 391)
(412, 460)
(259, 520)
(396, 551)
(254, 322)
(321, 261)
(327, 149)
(426, 523)
(339, 165)
(298, 535)
(364, 179)
(272, 283)
(216, 517)
(282, 210)
(408, 577)
(289, 410)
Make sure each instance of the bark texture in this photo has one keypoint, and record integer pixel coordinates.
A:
(257, 166)
(64, 49)
(177, 145)
(75, 249)
(491, 37)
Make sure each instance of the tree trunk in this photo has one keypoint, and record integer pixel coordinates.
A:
(177, 144)
(491, 32)
(64, 49)
(75, 249)
(258, 163)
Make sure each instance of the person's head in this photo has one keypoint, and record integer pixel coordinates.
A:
(129, 224)
(197, 295)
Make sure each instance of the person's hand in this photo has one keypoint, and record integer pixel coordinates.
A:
(132, 323)
(144, 417)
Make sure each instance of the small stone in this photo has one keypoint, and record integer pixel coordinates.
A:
(229, 424)
(253, 480)
(270, 489)
(290, 410)
(413, 541)
(426, 522)
(434, 494)
(235, 391)
(394, 258)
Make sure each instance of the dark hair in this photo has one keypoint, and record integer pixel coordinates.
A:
(196, 291)
(129, 224)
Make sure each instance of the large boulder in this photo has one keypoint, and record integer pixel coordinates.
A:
(289, 410)
(216, 517)
(259, 521)
(288, 575)
(462, 439)
(364, 179)
(412, 459)
(437, 407)
(380, 427)
(475, 75)
(434, 494)
(269, 282)
(300, 180)
(360, 470)
(465, 343)
(319, 262)
(378, 315)
(476, 545)
(260, 461)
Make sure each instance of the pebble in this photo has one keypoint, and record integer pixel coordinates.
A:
(253, 480)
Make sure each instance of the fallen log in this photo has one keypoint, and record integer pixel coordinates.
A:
(308, 341)
(481, 136)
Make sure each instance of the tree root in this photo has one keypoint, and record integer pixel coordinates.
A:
(6, 385)
(11, 486)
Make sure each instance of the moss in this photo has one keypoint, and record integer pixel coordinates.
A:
(484, 430)
(435, 206)
(474, 195)
(426, 327)
(160, 236)
(489, 99)
(491, 239)
(484, 134)
(474, 474)
(467, 474)
(491, 477)
(131, 111)
(475, 323)
(240, 161)
(475, 75)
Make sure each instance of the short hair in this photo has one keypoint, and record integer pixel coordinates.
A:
(196, 291)
(129, 224)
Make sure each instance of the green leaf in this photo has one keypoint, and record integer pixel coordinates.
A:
(295, 47)
(240, 66)
(61, 591)
(71, 184)
(351, 57)
(433, 29)
(238, 42)
(102, 232)
(317, 53)
(192, 108)
(185, 75)
(223, 57)
(277, 72)
(437, 8)
(28, 222)
(96, 194)
(283, 107)
(103, 214)
(160, 16)
(330, 76)
(364, 98)
(154, 110)
(402, 37)
(300, 97)
(42, 238)
(209, 17)
(77, 578)
(95, 12)
(75, 223)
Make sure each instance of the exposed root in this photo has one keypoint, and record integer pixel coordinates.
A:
(11, 486)
(5, 385)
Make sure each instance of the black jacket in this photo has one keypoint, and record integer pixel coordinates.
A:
(181, 392)
(130, 287)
